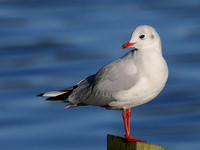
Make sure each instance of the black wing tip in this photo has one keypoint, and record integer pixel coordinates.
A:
(39, 95)
(50, 98)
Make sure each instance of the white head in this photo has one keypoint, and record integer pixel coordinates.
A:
(144, 38)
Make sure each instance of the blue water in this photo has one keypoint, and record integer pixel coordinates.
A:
(50, 44)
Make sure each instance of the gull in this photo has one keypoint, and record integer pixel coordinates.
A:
(134, 79)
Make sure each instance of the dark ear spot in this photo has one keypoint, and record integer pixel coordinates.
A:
(152, 36)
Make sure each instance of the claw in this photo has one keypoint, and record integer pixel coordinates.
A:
(132, 139)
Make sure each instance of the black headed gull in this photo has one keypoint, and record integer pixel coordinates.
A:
(134, 79)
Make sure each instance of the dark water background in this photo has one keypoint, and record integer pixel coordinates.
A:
(52, 44)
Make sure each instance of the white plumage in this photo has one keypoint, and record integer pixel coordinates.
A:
(132, 80)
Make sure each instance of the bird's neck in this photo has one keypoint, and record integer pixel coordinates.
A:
(155, 47)
(149, 60)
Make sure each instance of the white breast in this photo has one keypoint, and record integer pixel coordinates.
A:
(151, 82)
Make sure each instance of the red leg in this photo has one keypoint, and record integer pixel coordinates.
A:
(126, 118)
(125, 122)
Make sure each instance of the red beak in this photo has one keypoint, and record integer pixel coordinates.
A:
(126, 45)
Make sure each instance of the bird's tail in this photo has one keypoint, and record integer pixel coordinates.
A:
(61, 95)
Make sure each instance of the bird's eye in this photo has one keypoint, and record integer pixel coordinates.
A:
(142, 37)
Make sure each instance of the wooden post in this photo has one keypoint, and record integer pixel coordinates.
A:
(119, 143)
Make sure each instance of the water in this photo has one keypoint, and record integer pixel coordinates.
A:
(49, 45)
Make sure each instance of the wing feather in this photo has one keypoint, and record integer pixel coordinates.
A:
(121, 74)
(98, 89)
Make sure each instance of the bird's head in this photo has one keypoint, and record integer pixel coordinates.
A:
(144, 38)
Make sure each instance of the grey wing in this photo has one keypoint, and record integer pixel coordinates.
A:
(119, 75)
(83, 91)
(97, 89)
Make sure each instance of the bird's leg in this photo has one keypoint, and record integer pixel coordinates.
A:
(126, 118)
(125, 122)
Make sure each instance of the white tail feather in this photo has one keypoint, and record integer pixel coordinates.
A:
(70, 106)
(53, 93)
